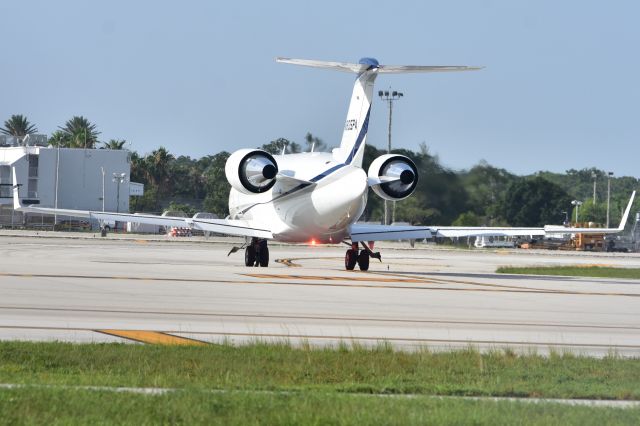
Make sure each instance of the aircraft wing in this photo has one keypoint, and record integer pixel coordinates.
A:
(364, 232)
(241, 228)
(478, 231)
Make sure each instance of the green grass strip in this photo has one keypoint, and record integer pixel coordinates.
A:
(348, 369)
(576, 271)
(62, 406)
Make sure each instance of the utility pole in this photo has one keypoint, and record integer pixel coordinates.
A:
(389, 96)
(609, 175)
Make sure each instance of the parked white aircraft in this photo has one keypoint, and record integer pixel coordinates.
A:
(318, 196)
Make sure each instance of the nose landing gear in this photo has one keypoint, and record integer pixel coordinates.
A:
(361, 257)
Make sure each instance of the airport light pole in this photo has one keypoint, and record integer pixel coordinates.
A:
(594, 176)
(119, 178)
(55, 203)
(609, 175)
(102, 170)
(577, 204)
(389, 96)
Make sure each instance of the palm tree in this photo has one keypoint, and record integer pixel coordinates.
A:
(114, 144)
(81, 132)
(158, 166)
(18, 126)
(60, 138)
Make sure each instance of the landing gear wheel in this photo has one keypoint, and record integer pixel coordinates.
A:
(263, 254)
(249, 255)
(350, 259)
(363, 261)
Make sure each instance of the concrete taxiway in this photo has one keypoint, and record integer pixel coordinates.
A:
(187, 291)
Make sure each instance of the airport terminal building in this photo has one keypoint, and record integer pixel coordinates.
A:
(67, 178)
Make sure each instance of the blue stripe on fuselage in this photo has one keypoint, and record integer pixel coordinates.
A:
(327, 172)
(361, 136)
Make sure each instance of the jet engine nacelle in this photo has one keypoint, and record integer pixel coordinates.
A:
(397, 176)
(251, 171)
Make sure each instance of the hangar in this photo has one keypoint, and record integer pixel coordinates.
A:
(68, 178)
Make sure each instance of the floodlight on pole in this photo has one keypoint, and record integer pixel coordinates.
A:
(577, 204)
(119, 178)
(389, 96)
(609, 175)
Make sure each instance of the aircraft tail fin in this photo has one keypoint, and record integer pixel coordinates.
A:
(354, 136)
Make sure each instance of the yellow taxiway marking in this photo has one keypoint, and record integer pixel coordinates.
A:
(153, 337)
(368, 278)
(288, 262)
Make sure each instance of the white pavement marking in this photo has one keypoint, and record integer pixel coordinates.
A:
(162, 391)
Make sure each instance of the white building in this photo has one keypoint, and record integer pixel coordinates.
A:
(68, 178)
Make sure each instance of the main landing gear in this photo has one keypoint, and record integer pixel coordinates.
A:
(256, 253)
(361, 257)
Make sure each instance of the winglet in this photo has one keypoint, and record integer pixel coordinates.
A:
(16, 195)
(625, 216)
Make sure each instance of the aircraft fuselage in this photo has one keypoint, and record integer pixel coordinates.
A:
(321, 209)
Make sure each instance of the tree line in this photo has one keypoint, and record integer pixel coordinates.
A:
(482, 195)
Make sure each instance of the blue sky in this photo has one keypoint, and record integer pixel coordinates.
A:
(559, 89)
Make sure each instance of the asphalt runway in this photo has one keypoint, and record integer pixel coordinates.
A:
(187, 291)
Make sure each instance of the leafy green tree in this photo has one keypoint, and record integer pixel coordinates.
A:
(485, 186)
(146, 203)
(590, 212)
(275, 147)
(81, 133)
(315, 142)
(114, 144)
(19, 126)
(217, 186)
(467, 219)
(440, 195)
(534, 202)
(189, 210)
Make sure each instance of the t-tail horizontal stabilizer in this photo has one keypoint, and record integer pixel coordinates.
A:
(370, 63)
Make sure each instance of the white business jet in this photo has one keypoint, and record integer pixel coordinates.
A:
(317, 197)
